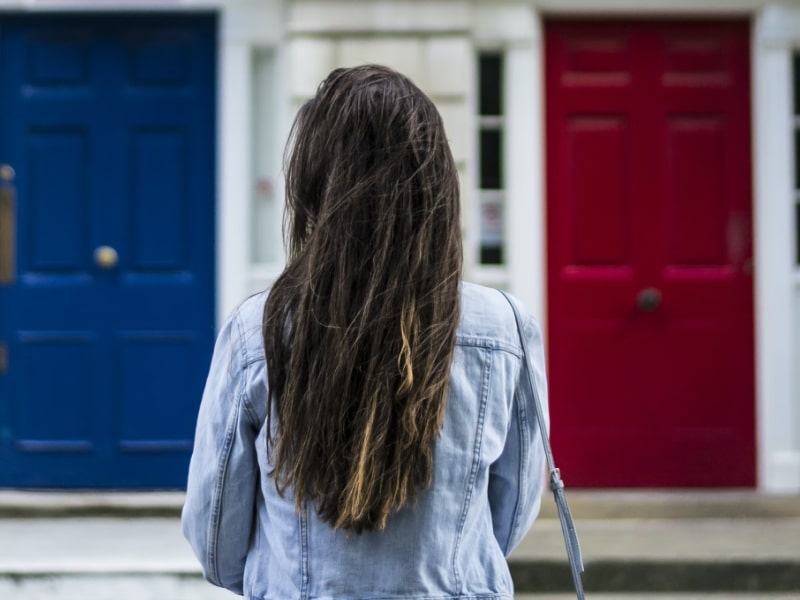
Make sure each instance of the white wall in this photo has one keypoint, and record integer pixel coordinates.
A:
(324, 34)
(435, 42)
(513, 28)
(248, 28)
(427, 41)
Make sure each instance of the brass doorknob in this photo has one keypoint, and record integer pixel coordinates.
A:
(649, 299)
(106, 257)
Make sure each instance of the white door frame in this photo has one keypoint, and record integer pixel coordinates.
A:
(775, 35)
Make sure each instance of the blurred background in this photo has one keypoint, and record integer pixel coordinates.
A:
(630, 170)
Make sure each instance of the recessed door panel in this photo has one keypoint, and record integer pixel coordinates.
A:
(145, 385)
(160, 161)
(599, 148)
(57, 200)
(59, 378)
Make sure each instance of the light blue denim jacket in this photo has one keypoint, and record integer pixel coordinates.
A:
(487, 483)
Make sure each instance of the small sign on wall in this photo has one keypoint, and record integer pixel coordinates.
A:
(492, 227)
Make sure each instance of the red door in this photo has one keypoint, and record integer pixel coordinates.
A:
(650, 295)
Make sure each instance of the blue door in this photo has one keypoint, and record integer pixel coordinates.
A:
(106, 330)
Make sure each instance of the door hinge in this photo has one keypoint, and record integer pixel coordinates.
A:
(3, 358)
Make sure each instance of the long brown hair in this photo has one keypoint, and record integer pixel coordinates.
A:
(359, 329)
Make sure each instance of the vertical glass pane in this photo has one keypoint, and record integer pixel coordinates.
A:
(490, 75)
(797, 232)
(492, 228)
(796, 85)
(796, 75)
(491, 159)
(797, 158)
(267, 215)
(490, 143)
(491, 255)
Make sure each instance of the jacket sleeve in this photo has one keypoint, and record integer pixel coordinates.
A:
(517, 478)
(218, 514)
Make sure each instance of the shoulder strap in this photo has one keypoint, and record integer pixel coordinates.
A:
(556, 485)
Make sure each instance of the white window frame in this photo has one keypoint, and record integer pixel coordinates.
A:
(493, 275)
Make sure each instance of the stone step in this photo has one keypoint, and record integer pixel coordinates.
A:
(55, 504)
(665, 555)
(585, 504)
(98, 586)
(680, 504)
(74, 540)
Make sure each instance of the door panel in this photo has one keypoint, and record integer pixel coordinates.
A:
(599, 155)
(159, 159)
(57, 366)
(649, 224)
(58, 190)
(108, 122)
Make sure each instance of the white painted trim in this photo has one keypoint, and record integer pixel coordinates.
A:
(525, 200)
(234, 192)
(472, 270)
(778, 448)
(263, 275)
(782, 473)
(384, 16)
(244, 25)
(511, 28)
(503, 23)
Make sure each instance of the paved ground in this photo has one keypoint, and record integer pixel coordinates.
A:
(654, 539)
(666, 555)
(167, 588)
(152, 544)
(94, 545)
(100, 587)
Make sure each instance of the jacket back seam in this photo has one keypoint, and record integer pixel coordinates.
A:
(476, 454)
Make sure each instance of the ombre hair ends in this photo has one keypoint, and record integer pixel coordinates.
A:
(359, 329)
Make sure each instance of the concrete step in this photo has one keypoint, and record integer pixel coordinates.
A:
(677, 504)
(585, 504)
(665, 555)
(73, 544)
(113, 586)
(56, 504)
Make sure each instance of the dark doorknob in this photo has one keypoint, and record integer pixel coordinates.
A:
(649, 299)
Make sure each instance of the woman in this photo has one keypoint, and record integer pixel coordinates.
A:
(364, 432)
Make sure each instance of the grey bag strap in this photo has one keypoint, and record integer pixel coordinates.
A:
(564, 514)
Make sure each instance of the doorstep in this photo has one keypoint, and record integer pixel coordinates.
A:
(676, 504)
(700, 542)
(585, 504)
(62, 504)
